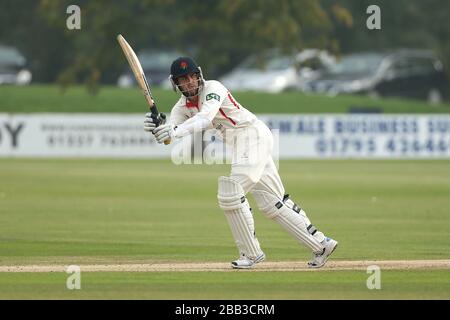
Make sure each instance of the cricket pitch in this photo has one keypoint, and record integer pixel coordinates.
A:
(225, 267)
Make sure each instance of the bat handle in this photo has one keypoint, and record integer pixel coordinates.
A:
(155, 114)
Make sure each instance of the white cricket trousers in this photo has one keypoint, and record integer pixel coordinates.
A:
(252, 163)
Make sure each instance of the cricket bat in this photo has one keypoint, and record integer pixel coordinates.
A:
(138, 72)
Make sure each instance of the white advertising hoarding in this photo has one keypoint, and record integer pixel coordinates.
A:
(77, 135)
(362, 135)
(331, 136)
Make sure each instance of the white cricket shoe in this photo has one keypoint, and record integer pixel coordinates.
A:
(245, 263)
(319, 260)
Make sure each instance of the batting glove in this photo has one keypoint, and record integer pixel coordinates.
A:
(164, 132)
(149, 123)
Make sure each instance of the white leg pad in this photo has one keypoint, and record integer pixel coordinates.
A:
(311, 229)
(237, 211)
(290, 220)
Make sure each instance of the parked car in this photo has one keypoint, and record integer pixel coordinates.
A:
(274, 72)
(156, 66)
(402, 73)
(13, 67)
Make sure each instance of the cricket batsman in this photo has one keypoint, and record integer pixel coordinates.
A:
(208, 104)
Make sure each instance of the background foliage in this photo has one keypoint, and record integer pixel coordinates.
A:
(218, 33)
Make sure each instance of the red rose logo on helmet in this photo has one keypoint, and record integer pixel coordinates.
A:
(183, 65)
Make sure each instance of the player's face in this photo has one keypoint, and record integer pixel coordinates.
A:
(188, 84)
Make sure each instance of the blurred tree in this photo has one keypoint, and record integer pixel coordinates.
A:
(232, 29)
(95, 53)
(41, 44)
(220, 33)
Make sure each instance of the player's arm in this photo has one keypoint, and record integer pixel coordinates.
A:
(198, 122)
(210, 106)
(174, 131)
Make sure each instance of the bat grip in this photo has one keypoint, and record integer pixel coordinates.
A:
(155, 115)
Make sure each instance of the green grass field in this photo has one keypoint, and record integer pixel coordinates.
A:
(142, 211)
(46, 98)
